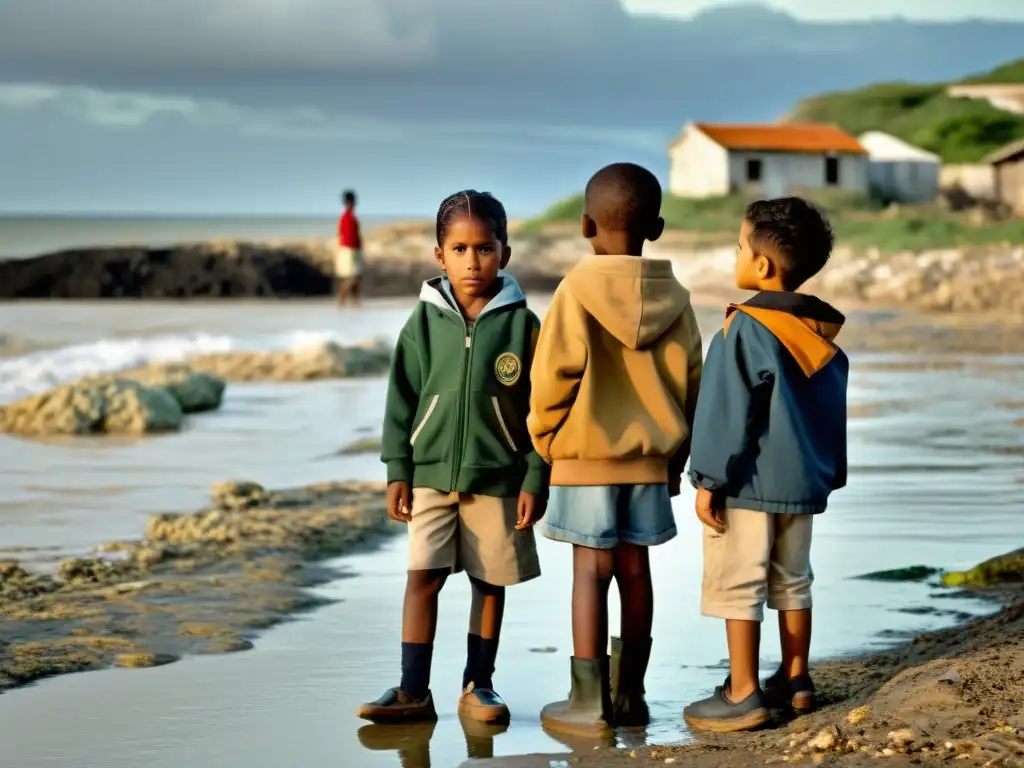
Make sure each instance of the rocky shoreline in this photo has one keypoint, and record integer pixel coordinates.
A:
(953, 280)
(157, 397)
(197, 583)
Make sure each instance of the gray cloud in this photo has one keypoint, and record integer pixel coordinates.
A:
(185, 38)
(528, 92)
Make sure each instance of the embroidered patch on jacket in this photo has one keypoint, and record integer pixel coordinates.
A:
(508, 368)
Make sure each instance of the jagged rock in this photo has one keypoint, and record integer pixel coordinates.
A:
(111, 405)
(195, 390)
(150, 400)
(18, 584)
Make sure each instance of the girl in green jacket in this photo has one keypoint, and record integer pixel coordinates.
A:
(461, 469)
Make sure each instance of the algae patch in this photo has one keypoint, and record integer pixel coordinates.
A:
(198, 583)
(908, 574)
(994, 572)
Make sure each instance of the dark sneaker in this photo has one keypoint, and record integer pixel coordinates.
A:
(720, 715)
(483, 705)
(587, 711)
(628, 668)
(798, 694)
(396, 706)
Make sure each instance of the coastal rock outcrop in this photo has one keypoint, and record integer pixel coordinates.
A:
(399, 259)
(199, 583)
(326, 360)
(155, 401)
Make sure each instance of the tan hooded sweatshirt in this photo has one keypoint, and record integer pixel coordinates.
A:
(615, 375)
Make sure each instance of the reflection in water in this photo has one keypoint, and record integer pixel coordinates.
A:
(932, 483)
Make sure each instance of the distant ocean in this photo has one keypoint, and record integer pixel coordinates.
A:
(25, 236)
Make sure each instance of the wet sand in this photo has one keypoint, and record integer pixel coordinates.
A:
(934, 480)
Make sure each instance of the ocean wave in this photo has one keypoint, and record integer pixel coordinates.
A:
(27, 374)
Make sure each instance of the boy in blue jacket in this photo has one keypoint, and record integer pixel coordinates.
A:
(769, 446)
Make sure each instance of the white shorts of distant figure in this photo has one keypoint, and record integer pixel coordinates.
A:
(348, 262)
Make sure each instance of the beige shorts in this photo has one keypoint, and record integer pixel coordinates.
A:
(348, 262)
(761, 557)
(472, 533)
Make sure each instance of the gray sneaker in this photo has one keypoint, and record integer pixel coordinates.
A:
(720, 715)
(798, 694)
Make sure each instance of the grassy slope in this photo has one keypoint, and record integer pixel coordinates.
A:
(958, 130)
(857, 223)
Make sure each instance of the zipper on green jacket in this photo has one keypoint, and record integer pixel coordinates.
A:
(462, 416)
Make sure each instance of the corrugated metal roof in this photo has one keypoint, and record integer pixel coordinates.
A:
(1009, 152)
(787, 137)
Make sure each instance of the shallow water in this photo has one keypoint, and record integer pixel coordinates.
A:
(936, 478)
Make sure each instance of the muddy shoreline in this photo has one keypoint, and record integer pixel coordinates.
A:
(953, 696)
(198, 583)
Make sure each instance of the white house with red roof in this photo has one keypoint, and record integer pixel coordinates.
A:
(711, 160)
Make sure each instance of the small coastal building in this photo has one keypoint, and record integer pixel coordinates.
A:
(1008, 165)
(1008, 97)
(900, 172)
(711, 160)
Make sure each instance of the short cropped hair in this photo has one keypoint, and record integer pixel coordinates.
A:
(623, 197)
(794, 234)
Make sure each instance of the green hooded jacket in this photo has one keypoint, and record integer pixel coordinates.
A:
(458, 397)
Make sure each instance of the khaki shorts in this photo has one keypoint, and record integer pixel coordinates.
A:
(761, 557)
(348, 262)
(461, 531)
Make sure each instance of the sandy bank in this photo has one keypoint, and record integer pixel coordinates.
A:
(197, 583)
(955, 696)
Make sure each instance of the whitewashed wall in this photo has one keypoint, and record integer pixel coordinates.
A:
(698, 167)
(785, 173)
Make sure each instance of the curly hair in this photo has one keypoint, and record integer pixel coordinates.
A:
(482, 206)
(794, 233)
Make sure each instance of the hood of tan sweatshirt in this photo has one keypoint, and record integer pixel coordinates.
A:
(633, 298)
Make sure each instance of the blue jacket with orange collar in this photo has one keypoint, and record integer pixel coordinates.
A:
(770, 429)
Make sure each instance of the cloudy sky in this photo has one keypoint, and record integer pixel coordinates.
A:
(272, 106)
(832, 10)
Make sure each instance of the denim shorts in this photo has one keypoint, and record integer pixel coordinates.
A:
(601, 516)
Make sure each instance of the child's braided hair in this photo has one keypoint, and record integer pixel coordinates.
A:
(482, 206)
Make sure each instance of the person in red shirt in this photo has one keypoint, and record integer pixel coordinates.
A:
(348, 263)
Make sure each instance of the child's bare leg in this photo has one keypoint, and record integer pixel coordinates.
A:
(795, 637)
(631, 653)
(636, 591)
(419, 612)
(485, 617)
(487, 611)
(592, 576)
(419, 625)
(744, 638)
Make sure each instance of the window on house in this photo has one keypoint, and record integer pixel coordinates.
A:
(753, 171)
(832, 171)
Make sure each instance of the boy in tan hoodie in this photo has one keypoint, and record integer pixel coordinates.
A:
(614, 388)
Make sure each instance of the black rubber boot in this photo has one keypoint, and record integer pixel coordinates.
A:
(587, 711)
(628, 668)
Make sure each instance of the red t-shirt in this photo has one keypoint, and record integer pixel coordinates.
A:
(348, 231)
